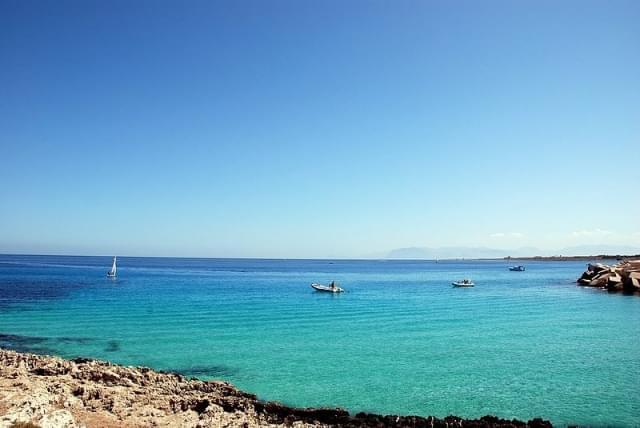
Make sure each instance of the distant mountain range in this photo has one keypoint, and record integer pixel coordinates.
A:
(493, 253)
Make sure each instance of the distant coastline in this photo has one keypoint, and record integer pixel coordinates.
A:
(576, 258)
(525, 253)
(364, 259)
(527, 258)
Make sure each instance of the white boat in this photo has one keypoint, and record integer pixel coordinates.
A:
(463, 283)
(113, 271)
(332, 288)
(517, 268)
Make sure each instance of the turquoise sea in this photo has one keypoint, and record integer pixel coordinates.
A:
(399, 340)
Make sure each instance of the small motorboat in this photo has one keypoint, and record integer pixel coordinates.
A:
(517, 268)
(331, 288)
(463, 283)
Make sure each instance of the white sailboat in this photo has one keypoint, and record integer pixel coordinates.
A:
(112, 272)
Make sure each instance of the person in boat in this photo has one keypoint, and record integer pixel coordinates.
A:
(333, 285)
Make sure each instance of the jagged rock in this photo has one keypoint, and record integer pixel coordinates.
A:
(625, 276)
(58, 419)
(587, 275)
(632, 282)
(597, 267)
(52, 392)
(600, 280)
(614, 280)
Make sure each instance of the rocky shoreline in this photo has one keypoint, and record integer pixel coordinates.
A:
(621, 277)
(53, 392)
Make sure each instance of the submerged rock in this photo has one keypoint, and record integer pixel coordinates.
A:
(52, 392)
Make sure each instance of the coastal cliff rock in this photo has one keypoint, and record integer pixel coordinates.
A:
(50, 392)
(624, 276)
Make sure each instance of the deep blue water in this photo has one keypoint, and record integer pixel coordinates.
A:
(399, 340)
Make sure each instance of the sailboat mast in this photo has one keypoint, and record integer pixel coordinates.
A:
(112, 272)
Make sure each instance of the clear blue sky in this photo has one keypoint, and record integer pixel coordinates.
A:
(317, 129)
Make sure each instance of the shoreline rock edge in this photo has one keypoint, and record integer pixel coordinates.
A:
(622, 277)
(54, 392)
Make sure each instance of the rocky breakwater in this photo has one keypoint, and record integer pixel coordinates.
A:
(624, 276)
(52, 392)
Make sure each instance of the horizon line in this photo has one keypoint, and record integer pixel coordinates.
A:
(534, 257)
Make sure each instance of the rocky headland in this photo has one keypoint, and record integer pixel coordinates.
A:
(621, 277)
(43, 391)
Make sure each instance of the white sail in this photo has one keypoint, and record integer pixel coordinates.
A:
(113, 270)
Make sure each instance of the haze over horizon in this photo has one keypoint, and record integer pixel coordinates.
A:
(412, 253)
(332, 130)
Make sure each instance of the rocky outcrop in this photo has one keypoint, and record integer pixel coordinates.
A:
(624, 276)
(52, 392)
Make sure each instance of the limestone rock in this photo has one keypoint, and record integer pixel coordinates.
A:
(624, 276)
(52, 392)
(632, 283)
(599, 281)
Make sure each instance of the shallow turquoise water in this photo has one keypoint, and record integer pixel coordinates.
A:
(400, 340)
